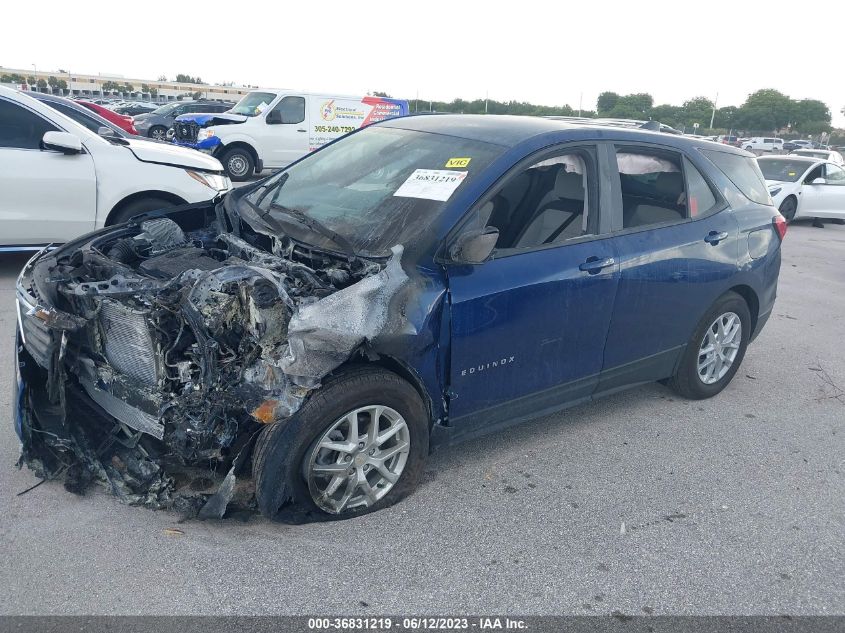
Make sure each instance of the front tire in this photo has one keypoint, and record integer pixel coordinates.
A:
(715, 350)
(357, 445)
(238, 163)
(158, 133)
(788, 208)
(137, 207)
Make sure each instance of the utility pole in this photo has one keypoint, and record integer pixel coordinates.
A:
(486, 98)
(713, 116)
(580, 100)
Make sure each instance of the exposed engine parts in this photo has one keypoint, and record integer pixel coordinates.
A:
(189, 340)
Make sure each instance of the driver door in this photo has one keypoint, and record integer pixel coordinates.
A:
(285, 138)
(46, 196)
(824, 200)
(528, 327)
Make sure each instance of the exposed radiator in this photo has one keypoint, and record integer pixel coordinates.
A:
(129, 415)
(128, 344)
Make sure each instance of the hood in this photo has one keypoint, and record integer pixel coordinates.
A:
(212, 118)
(167, 154)
(143, 117)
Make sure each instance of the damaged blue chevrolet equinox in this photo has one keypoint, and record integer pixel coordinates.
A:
(301, 344)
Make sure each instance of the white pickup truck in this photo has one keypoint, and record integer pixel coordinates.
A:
(270, 129)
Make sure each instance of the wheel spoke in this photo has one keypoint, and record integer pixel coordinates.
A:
(347, 494)
(384, 472)
(333, 486)
(393, 430)
(375, 416)
(340, 447)
(353, 436)
(385, 455)
(331, 469)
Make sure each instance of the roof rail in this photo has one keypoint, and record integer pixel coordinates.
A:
(654, 126)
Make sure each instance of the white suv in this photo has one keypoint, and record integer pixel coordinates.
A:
(60, 180)
(761, 144)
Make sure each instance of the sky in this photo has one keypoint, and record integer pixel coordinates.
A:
(547, 53)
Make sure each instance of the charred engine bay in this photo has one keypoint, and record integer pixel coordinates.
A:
(189, 340)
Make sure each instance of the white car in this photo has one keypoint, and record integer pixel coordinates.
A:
(762, 144)
(803, 187)
(821, 154)
(59, 179)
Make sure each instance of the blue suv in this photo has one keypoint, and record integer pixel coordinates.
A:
(414, 283)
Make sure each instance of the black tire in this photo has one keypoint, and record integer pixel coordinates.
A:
(278, 465)
(158, 132)
(136, 207)
(238, 163)
(787, 209)
(748, 148)
(686, 381)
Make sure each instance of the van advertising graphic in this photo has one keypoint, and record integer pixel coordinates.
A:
(334, 117)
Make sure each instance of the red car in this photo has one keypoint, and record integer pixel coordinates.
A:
(120, 120)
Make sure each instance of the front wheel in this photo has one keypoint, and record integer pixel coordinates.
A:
(357, 445)
(238, 164)
(715, 350)
(158, 132)
(748, 148)
(787, 209)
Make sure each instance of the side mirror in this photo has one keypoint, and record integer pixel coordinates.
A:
(105, 131)
(274, 117)
(61, 142)
(819, 181)
(475, 246)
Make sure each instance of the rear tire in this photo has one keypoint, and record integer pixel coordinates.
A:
(288, 454)
(136, 207)
(238, 163)
(688, 380)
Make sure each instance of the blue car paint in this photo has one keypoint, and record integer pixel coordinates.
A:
(207, 144)
(492, 344)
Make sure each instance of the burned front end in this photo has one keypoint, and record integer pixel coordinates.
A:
(149, 355)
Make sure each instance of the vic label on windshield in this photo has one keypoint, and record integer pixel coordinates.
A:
(431, 184)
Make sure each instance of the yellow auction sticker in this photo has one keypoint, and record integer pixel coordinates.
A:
(458, 162)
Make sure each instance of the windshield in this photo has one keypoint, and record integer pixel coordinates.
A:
(782, 168)
(166, 109)
(811, 153)
(374, 189)
(253, 104)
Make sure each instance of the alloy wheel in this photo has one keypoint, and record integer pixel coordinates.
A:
(719, 348)
(358, 459)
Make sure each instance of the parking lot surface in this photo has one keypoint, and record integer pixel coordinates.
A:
(639, 503)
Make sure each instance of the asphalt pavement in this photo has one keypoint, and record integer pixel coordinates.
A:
(640, 503)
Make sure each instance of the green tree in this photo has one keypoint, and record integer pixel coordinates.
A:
(42, 83)
(766, 109)
(162, 78)
(188, 79)
(127, 87)
(697, 110)
(31, 80)
(110, 86)
(12, 78)
(667, 114)
(808, 111)
(606, 102)
(197, 95)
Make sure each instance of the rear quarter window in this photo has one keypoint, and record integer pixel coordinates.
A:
(743, 172)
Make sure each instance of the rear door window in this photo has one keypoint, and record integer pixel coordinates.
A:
(652, 186)
(743, 172)
(701, 199)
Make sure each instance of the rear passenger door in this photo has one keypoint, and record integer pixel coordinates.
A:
(676, 246)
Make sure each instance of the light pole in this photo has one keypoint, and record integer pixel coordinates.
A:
(713, 116)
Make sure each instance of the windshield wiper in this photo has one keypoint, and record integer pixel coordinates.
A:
(318, 227)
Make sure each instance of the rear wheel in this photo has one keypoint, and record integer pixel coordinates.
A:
(158, 132)
(715, 350)
(356, 446)
(787, 209)
(238, 164)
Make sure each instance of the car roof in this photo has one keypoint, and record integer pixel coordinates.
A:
(510, 130)
(792, 157)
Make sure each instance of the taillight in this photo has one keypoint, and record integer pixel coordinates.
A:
(780, 225)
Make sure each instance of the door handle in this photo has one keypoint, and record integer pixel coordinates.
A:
(594, 265)
(714, 237)
(300, 130)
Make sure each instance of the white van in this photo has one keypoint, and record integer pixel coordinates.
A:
(270, 129)
(761, 144)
